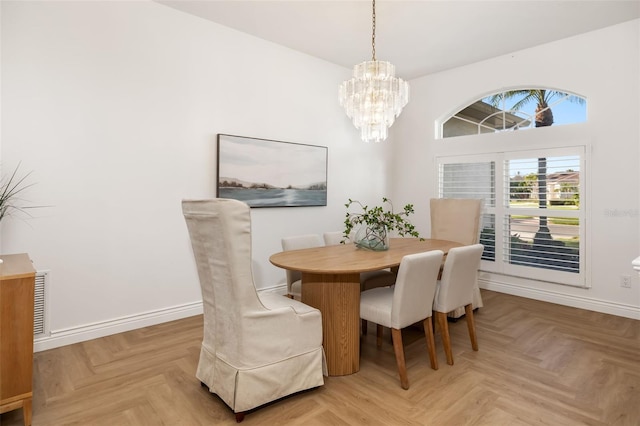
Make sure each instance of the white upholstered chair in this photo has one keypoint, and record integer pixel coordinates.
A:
(455, 290)
(245, 358)
(294, 278)
(457, 219)
(333, 238)
(408, 302)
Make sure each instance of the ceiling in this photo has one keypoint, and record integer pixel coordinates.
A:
(418, 37)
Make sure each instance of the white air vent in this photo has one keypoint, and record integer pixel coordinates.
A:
(40, 323)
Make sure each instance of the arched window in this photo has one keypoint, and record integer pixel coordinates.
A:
(516, 109)
(533, 221)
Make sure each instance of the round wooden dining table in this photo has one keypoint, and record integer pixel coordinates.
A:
(331, 283)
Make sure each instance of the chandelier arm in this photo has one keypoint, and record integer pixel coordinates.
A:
(373, 34)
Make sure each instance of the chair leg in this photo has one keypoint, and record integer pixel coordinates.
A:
(364, 327)
(471, 325)
(446, 339)
(378, 335)
(399, 350)
(239, 417)
(431, 342)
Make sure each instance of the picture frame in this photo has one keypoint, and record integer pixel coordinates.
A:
(269, 173)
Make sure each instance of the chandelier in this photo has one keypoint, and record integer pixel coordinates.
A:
(374, 97)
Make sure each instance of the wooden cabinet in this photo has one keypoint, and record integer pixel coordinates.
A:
(17, 281)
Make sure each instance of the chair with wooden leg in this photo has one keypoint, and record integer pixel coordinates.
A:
(457, 219)
(455, 290)
(406, 303)
(294, 278)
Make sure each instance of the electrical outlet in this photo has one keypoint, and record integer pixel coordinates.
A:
(625, 281)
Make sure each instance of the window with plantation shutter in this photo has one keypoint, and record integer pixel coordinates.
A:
(475, 178)
(532, 223)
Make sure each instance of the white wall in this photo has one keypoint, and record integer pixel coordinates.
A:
(115, 107)
(603, 67)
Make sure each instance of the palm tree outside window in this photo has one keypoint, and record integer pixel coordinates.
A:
(538, 224)
(543, 118)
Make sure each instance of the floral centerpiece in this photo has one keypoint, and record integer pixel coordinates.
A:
(373, 224)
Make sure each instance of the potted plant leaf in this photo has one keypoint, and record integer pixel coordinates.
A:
(373, 224)
(10, 189)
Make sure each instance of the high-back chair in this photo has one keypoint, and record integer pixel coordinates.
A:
(457, 219)
(298, 242)
(408, 302)
(455, 290)
(245, 358)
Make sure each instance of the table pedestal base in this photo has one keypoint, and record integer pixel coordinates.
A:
(337, 296)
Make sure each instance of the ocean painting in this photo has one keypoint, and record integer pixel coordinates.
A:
(266, 173)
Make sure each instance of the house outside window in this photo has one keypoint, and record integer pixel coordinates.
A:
(533, 222)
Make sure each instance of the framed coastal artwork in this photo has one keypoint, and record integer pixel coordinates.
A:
(267, 173)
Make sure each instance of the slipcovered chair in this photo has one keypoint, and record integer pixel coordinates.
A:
(245, 358)
(455, 289)
(294, 278)
(457, 219)
(408, 302)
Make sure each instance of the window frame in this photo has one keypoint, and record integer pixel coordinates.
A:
(520, 119)
(501, 210)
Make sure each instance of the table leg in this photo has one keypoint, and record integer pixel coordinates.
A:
(337, 296)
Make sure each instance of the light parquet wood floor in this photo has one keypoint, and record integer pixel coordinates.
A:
(538, 364)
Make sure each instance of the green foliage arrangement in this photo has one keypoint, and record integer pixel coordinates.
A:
(379, 218)
(10, 189)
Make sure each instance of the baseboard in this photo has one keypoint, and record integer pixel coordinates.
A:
(619, 309)
(278, 289)
(83, 333)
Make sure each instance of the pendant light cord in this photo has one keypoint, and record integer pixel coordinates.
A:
(373, 35)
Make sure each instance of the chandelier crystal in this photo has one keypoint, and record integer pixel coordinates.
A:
(374, 97)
